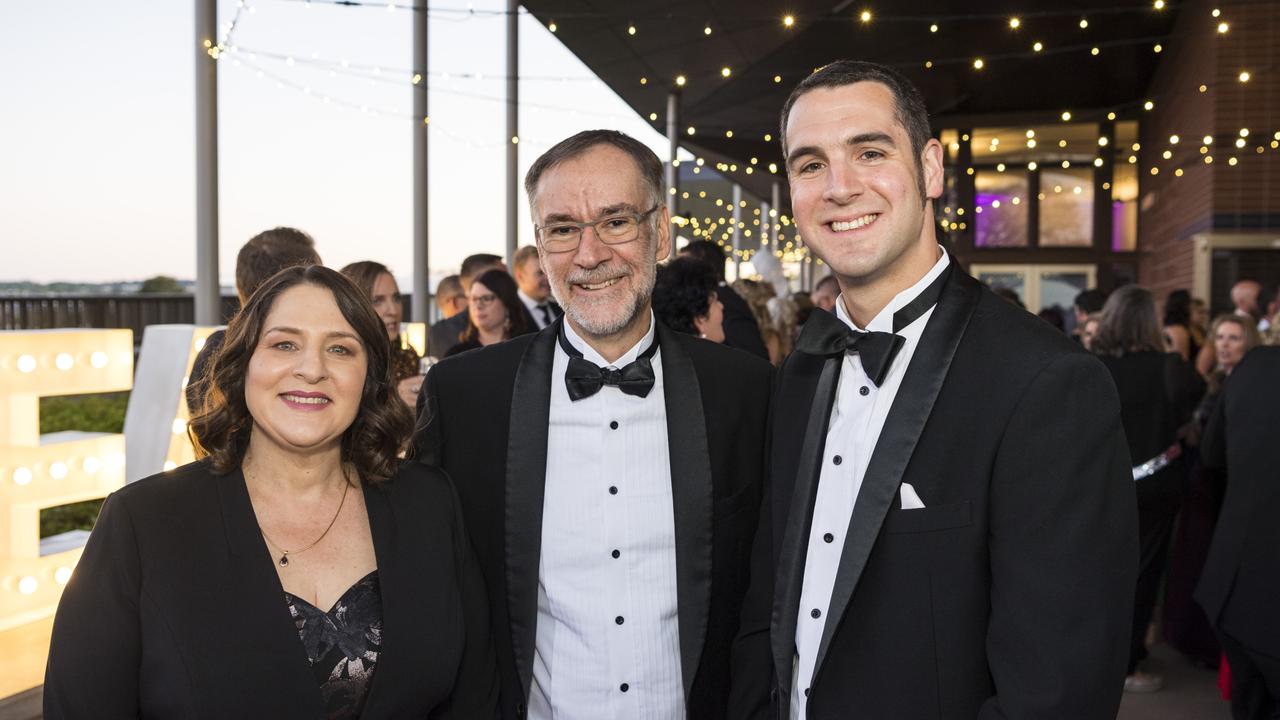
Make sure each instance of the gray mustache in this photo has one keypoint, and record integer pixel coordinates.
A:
(591, 277)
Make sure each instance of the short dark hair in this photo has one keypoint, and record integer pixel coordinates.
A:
(1090, 301)
(269, 252)
(650, 167)
(504, 287)
(1128, 324)
(908, 104)
(709, 252)
(364, 274)
(473, 265)
(682, 293)
(1177, 308)
(449, 285)
(382, 423)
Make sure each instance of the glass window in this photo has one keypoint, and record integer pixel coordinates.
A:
(1066, 207)
(1000, 209)
(1014, 280)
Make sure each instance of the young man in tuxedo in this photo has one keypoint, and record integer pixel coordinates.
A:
(610, 470)
(930, 547)
(534, 289)
(1240, 588)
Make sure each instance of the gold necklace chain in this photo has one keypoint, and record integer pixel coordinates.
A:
(284, 557)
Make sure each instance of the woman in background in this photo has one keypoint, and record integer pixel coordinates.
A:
(1157, 393)
(380, 286)
(684, 299)
(1186, 628)
(496, 313)
(299, 570)
(757, 294)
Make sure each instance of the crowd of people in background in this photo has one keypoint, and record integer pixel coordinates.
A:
(471, 610)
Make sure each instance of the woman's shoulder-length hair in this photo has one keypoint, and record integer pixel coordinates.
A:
(382, 423)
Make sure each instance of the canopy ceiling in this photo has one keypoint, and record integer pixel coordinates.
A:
(1016, 84)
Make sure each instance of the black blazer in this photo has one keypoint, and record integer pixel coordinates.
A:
(175, 609)
(485, 422)
(444, 334)
(1240, 585)
(740, 328)
(1010, 594)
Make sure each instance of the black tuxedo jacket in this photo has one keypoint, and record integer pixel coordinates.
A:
(1240, 585)
(175, 609)
(444, 334)
(740, 328)
(485, 420)
(1009, 594)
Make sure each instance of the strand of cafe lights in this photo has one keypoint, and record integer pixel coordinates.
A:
(1015, 23)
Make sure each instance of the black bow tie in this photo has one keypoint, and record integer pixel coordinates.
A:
(584, 378)
(824, 334)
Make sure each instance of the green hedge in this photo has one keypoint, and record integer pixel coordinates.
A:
(88, 413)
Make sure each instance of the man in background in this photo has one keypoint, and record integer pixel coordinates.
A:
(825, 294)
(1087, 302)
(533, 289)
(740, 328)
(444, 334)
(266, 254)
(449, 297)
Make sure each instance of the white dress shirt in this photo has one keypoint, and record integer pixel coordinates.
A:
(536, 308)
(857, 417)
(608, 640)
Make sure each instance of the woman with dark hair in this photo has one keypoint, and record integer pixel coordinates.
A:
(1177, 333)
(496, 313)
(1157, 393)
(684, 299)
(297, 560)
(380, 286)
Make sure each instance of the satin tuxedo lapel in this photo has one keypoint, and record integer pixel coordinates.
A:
(526, 476)
(262, 593)
(906, 420)
(804, 404)
(691, 498)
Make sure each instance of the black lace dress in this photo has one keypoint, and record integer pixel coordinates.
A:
(342, 645)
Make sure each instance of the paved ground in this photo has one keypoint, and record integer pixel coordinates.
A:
(1189, 693)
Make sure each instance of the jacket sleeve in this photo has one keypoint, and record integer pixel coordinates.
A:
(475, 691)
(751, 658)
(95, 651)
(1063, 550)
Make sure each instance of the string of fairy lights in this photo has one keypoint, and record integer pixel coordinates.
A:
(1176, 158)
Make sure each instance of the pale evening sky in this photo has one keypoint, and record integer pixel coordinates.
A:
(97, 155)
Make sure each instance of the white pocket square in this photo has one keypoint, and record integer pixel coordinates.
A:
(910, 500)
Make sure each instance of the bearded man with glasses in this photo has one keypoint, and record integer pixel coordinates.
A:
(609, 468)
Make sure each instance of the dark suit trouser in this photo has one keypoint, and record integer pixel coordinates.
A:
(1255, 681)
(1158, 502)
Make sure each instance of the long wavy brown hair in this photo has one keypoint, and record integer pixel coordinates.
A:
(382, 423)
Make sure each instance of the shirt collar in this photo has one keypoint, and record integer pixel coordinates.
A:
(589, 353)
(883, 321)
(528, 301)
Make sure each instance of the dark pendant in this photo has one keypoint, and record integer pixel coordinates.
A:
(284, 560)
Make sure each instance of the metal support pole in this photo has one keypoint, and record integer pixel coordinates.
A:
(673, 170)
(208, 299)
(737, 231)
(421, 308)
(513, 126)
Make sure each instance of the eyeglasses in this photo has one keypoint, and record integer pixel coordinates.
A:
(484, 300)
(565, 236)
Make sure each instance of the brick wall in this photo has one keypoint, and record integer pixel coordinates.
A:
(1215, 196)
